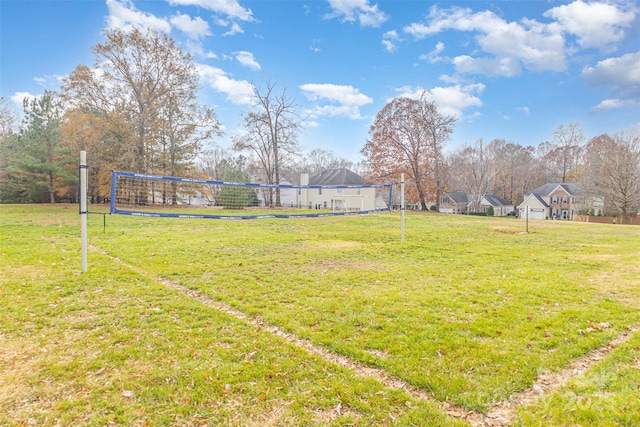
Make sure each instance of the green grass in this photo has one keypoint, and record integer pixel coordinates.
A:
(607, 395)
(468, 309)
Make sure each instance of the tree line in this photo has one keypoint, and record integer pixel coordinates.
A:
(607, 167)
(137, 109)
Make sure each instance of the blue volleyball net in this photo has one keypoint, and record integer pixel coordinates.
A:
(168, 196)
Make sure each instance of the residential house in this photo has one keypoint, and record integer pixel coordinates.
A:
(552, 201)
(454, 202)
(338, 190)
(462, 203)
(501, 207)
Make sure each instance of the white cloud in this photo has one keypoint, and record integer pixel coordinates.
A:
(237, 91)
(451, 100)
(595, 24)
(344, 100)
(247, 60)
(613, 104)
(235, 29)
(536, 46)
(506, 67)
(524, 110)
(195, 47)
(351, 10)
(389, 46)
(195, 29)
(229, 8)
(455, 18)
(18, 98)
(391, 35)
(338, 93)
(434, 55)
(49, 81)
(621, 73)
(122, 14)
(510, 45)
(389, 40)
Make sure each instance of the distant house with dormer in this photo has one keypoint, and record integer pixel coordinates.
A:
(555, 201)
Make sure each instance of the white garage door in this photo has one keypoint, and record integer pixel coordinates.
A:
(534, 213)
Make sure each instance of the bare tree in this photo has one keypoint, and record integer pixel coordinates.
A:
(439, 129)
(475, 169)
(408, 136)
(320, 159)
(212, 162)
(613, 172)
(513, 167)
(8, 119)
(271, 133)
(562, 156)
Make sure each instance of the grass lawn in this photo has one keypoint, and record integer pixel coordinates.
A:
(469, 310)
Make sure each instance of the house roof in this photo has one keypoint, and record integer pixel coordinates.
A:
(547, 189)
(335, 177)
(458, 197)
(496, 201)
(535, 197)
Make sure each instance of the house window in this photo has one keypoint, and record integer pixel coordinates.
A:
(554, 199)
(445, 200)
(358, 192)
(565, 200)
(319, 190)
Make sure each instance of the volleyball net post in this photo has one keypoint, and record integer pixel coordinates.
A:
(83, 178)
(402, 207)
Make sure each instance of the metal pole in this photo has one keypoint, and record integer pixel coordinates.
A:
(83, 209)
(402, 203)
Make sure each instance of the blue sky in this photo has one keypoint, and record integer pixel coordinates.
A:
(507, 69)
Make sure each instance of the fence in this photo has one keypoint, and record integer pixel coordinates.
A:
(632, 220)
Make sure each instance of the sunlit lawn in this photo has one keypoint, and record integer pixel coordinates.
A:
(469, 309)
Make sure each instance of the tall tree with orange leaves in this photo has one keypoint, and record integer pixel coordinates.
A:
(408, 136)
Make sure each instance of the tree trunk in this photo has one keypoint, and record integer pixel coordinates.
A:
(52, 192)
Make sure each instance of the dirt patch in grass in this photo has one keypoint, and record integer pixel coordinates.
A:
(511, 231)
(333, 244)
(325, 266)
